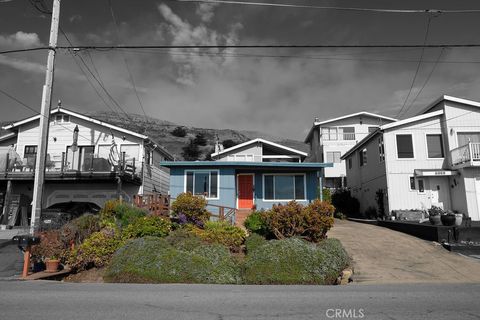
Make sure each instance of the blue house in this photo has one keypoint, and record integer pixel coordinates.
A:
(254, 174)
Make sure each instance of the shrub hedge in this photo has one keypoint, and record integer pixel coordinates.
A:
(155, 260)
(256, 223)
(295, 261)
(118, 213)
(221, 232)
(147, 226)
(254, 241)
(193, 208)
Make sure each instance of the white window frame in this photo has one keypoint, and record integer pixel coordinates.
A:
(414, 183)
(418, 185)
(413, 146)
(381, 149)
(209, 181)
(339, 157)
(284, 174)
(426, 144)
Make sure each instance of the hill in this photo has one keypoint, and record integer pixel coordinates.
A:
(161, 132)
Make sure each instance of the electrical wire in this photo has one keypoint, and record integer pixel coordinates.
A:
(132, 80)
(377, 10)
(418, 67)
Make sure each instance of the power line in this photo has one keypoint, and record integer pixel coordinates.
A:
(24, 50)
(426, 81)
(132, 81)
(378, 10)
(418, 67)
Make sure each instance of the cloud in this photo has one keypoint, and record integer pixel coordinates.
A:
(22, 65)
(205, 11)
(20, 39)
(190, 62)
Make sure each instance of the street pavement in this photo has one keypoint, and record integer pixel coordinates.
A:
(381, 255)
(11, 261)
(39, 300)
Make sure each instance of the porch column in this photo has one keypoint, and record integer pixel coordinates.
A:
(6, 203)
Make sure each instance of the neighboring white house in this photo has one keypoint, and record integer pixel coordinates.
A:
(430, 159)
(259, 150)
(330, 139)
(87, 160)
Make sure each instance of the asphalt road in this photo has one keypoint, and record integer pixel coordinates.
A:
(56, 300)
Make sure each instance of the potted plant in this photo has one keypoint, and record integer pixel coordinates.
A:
(49, 250)
(458, 219)
(434, 214)
(448, 218)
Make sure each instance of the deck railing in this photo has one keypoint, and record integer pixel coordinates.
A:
(468, 153)
(10, 162)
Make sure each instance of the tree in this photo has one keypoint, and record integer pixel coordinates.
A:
(179, 132)
(191, 152)
(200, 140)
(229, 143)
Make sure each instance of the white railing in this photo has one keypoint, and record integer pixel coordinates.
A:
(467, 153)
(348, 136)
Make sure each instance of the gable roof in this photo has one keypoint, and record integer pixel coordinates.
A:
(362, 113)
(77, 115)
(273, 144)
(450, 98)
(391, 126)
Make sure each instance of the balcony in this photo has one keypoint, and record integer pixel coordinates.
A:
(12, 167)
(466, 156)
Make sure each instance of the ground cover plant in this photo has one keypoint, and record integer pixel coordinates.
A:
(284, 245)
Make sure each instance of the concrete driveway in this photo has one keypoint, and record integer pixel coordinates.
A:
(381, 255)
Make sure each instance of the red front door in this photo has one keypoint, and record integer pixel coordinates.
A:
(245, 191)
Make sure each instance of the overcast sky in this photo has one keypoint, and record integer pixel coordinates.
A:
(275, 91)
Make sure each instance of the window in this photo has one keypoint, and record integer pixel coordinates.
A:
(363, 157)
(329, 133)
(412, 183)
(81, 159)
(435, 146)
(350, 163)
(284, 187)
(334, 156)
(465, 137)
(421, 187)
(59, 118)
(203, 183)
(381, 149)
(404, 146)
(348, 133)
(30, 151)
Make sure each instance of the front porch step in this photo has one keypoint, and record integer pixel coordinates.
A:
(241, 215)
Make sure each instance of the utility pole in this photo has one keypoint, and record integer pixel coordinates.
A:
(44, 122)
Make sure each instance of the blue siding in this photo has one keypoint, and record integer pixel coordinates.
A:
(227, 185)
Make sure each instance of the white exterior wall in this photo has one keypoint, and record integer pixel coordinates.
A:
(361, 131)
(90, 134)
(252, 151)
(364, 181)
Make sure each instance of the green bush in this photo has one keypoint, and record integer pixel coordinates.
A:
(118, 213)
(343, 201)
(221, 232)
(184, 239)
(295, 261)
(192, 207)
(179, 132)
(77, 230)
(254, 241)
(154, 260)
(96, 250)
(147, 226)
(327, 195)
(294, 220)
(256, 223)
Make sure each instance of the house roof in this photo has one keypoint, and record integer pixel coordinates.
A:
(362, 113)
(391, 126)
(450, 98)
(92, 120)
(78, 115)
(8, 136)
(246, 164)
(273, 144)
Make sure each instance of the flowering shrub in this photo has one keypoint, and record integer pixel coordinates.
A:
(96, 250)
(50, 246)
(221, 232)
(118, 213)
(147, 226)
(256, 223)
(190, 208)
(294, 220)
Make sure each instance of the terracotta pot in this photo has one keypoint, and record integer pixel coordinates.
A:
(458, 219)
(435, 220)
(52, 265)
(448, 219)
